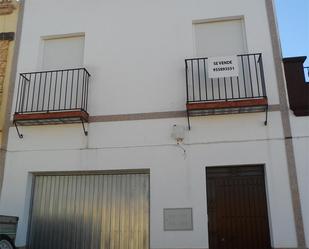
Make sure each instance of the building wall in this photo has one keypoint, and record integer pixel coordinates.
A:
(9, 11)
(135, 53)
(177, 179)
(129, 49)
(8, 23)
(300, 133)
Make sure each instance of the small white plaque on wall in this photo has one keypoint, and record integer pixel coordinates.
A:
(220, 67)
(178, 219)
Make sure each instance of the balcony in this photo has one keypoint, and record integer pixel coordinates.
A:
(297, 80)
(52, 97)
(242, 92)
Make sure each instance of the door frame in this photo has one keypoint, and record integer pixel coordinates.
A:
(263, 166)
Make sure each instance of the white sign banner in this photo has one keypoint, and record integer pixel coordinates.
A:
(220, 67)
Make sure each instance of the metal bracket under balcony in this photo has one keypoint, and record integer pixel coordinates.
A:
(243, 93)
(52, 97)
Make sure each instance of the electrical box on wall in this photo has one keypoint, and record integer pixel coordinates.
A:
(178, 219)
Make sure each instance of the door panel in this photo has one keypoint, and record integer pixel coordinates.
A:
(237, 208)
(90, 211)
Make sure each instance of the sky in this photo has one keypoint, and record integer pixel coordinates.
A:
(293, 22)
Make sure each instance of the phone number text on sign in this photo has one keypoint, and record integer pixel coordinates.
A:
(220, 67)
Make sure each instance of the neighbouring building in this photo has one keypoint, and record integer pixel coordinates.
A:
(160, 124)
(9, 10)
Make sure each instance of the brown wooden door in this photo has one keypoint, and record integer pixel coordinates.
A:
(237, 209)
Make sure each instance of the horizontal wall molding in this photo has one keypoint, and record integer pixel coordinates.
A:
(274, 108)
(150, 115)
(94, 172)
(138, 116)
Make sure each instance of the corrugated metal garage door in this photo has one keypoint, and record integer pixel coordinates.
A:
(90, 211)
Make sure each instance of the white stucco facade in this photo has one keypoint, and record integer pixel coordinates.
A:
(177, 179)
(300, 134)
(135, 54)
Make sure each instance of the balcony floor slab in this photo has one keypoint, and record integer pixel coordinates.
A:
(49, 118)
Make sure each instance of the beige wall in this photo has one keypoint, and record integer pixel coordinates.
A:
(8, 23)
(9, 13)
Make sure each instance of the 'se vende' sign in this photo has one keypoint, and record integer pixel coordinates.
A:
(219, 67)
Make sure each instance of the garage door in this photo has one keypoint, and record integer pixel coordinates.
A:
(90, 211)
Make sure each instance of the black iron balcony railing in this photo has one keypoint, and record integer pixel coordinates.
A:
(249, 84)
(52, 91)
(49, 97)
(306, 69)
(206, 95)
